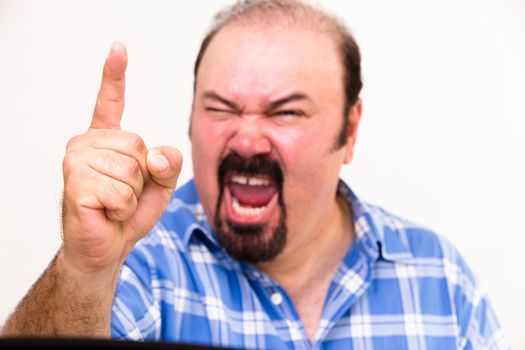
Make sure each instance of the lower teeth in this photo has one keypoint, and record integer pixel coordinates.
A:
(246, 211)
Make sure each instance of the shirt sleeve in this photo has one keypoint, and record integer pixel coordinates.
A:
(483, 329)
(479, 327)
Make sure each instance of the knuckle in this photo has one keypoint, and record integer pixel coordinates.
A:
(79, 200)
(117, 196)
(73, 142)
(110, 161)
(136, 143)
(133, 167)
(127, 194)
(115, 215)
(68, 163)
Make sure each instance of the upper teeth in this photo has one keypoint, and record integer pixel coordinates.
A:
(249, 180)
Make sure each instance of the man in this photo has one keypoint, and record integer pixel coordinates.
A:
(266, 247)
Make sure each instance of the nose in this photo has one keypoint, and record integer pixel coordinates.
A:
(249, 139)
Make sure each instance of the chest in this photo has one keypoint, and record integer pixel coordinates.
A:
(361, 312)
(210, 321)
(309, 303)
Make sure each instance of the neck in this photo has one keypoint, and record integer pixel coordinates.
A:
(319, 256)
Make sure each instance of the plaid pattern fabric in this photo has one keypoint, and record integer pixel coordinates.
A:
(399, 287)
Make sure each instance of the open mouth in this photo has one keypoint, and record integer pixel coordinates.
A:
(250, 217)
(251, 189)
(250, 199)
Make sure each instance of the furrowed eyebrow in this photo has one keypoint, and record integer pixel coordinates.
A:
(210, 95)
(291, 98)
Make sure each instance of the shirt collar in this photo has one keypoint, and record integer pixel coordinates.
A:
(190, 218)
(379, 233)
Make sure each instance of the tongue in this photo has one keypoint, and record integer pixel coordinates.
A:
(253, 196)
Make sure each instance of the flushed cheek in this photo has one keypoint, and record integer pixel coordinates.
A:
(212, 146)
(311, 179)
(205, 176)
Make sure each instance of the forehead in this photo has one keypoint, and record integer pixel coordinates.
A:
(268, 59)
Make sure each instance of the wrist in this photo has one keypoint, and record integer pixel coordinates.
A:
(91, 281)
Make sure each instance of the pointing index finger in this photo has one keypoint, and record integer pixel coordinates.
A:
(110, 99)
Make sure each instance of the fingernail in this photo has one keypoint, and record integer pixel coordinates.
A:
(159, 162)
(114, 47)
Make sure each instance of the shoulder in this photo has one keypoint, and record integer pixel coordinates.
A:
(392, 238)
(409, 242)
(407, 249)
(432, 265)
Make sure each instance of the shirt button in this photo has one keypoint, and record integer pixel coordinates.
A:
(277, 298)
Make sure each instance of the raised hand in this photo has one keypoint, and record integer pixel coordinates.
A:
(115, 189)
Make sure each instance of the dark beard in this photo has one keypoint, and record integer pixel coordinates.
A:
(247, 242)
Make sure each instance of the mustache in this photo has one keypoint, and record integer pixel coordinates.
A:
(257, 165)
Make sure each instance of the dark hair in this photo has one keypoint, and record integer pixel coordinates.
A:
(296, 12)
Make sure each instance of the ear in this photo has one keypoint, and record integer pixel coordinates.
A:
(354, 116)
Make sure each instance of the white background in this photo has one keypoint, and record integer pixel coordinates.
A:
(440, 142)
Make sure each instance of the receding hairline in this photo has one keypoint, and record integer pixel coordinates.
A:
(280, 13)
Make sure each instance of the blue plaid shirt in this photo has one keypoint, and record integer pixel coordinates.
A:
(399, 287)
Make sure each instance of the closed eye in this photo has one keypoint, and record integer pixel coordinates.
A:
(219, 110)
(288, 113)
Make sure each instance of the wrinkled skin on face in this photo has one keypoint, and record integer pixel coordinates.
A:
(267, 112)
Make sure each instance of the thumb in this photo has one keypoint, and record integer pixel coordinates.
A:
(164, 165)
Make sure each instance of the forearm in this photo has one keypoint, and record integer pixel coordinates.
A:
(61, 303)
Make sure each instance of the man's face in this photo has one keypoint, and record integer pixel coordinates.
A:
(267, 113)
